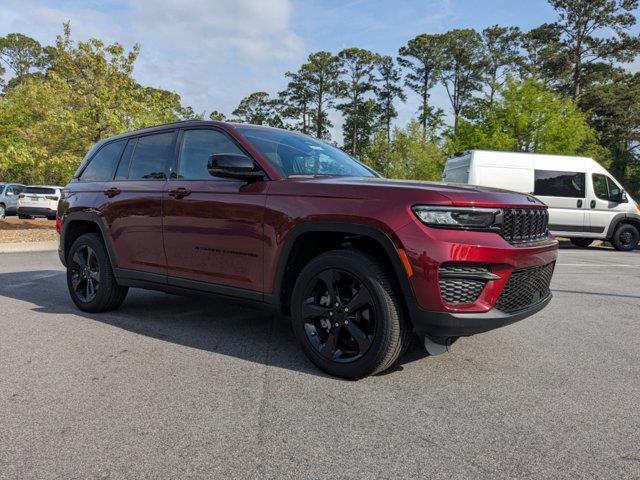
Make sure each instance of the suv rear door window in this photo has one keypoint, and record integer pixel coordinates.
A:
(551, 183)
(151, 156)
(103, 163)
(197, 147)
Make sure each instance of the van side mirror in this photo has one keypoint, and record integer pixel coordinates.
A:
(620, 197)
(233, 165)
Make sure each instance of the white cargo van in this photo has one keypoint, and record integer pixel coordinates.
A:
(585, 201)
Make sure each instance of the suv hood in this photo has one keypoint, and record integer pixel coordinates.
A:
(457, 194)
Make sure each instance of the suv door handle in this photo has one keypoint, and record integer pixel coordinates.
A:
(579, 203)
(112, 192)
(179, 193)
(593, 204)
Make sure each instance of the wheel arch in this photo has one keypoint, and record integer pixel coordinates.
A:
(79, 223)
(323, 236)
(621, 218)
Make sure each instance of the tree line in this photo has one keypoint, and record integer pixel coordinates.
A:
(562, 87)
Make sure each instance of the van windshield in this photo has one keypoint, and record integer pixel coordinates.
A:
(297, 155)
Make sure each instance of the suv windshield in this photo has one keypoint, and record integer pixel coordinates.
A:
(297, 154)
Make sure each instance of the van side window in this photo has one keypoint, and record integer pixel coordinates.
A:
(551, 183)
(604, 187)
(103, 163)
(197, 147)
(151, 157)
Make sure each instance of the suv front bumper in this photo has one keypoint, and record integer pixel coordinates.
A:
(453, 324)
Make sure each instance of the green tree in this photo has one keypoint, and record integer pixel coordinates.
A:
(461, 69)
(528, 118)
(357, 67)
(614, 111)
(217, 116)
(259, 109)
(409, 155)
(541, 46)
(388, 90)
(296, 100)
(21, 54)
(423, 57)
(321, 74)
(595, 31)
(48, 122)
(501, 56)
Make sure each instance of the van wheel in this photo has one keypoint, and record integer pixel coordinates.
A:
(90, 279)
(625, 238)
(581, 242)
(347, 315)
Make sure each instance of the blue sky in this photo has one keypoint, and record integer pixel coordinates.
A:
(214, 52)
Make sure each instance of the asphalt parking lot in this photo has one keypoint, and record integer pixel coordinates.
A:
(171, 387)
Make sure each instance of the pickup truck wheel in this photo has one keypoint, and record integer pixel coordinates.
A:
(90, 279)
(581, 242)
(347, 315)
(625, 238)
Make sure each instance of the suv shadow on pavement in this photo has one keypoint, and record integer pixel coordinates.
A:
(222, 326)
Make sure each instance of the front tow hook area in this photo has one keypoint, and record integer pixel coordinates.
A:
(438, 345)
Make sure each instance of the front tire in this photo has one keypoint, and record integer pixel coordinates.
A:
(581, 242)
(3, 212)
(347, 314)
(90, 279)
(625, 238)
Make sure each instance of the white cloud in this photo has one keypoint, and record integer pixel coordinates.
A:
(211, 53)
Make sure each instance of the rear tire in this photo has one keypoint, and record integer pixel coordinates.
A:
(90, 279)
(365, 340)
(581, 242)
(625, 238)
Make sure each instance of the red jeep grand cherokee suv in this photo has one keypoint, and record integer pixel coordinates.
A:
(357, 261)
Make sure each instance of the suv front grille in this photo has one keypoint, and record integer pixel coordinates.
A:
(455, 288)
(526, 287)
(520, 225)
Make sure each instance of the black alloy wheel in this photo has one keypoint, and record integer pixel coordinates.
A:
(339, 316)
(90, 279)
(347, 314)
(85, 274)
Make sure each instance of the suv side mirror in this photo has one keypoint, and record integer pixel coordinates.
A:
(234, 165)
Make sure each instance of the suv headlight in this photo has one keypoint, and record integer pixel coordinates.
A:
(457, 217)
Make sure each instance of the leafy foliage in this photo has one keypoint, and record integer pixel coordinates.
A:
(86, 93)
